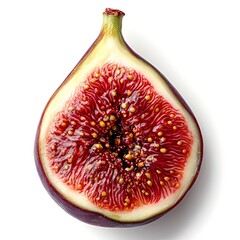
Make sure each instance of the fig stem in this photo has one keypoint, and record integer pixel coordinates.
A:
(112, 22)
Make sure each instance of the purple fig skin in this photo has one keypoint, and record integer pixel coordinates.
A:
(94, 218)
(88, 216)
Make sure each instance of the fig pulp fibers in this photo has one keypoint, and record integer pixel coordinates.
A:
(118, 141)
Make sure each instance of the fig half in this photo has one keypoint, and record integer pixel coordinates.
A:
(116, 145)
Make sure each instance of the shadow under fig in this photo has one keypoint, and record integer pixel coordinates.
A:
(182, 217)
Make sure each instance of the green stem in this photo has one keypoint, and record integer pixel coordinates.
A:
(112, 22)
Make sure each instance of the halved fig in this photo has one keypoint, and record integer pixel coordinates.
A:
(116, 144)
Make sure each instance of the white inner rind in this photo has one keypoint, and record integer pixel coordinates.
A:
(112, 50)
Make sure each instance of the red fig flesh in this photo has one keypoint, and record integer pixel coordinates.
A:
(116, 144)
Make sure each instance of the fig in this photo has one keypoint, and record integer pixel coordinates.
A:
(116, 145)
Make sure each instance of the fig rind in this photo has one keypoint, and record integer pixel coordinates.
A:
(110, 45)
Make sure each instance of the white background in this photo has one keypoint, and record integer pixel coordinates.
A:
(196, 44)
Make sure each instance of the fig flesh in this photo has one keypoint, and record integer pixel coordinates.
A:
(116, 144)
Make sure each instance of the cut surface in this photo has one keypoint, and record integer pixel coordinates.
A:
(116, 140)
(119, 143)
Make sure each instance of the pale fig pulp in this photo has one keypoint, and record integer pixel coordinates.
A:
(116, 144)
